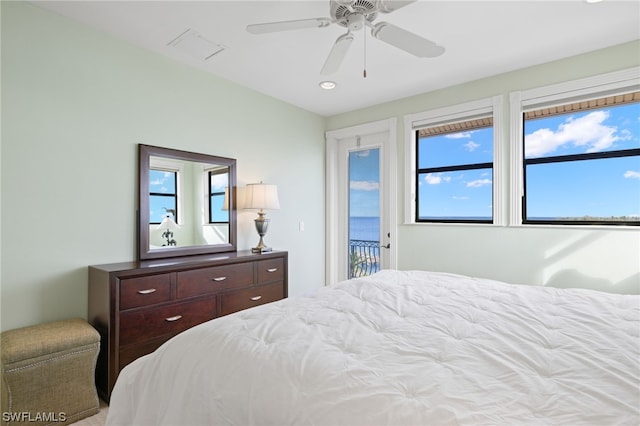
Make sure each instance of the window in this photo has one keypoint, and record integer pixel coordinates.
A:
(455, 172)
(580, 155)
(163, 195)
(218, 185)
(455, 168)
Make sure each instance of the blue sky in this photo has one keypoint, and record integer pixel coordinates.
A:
(465, 193)
(606, 187)
(364, 183)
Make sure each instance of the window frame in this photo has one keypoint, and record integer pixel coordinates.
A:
(169, 195)
(177, 167)
(209, 173)
(559, 94)
(462, 112)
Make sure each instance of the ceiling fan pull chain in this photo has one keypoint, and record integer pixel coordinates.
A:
(364, 71)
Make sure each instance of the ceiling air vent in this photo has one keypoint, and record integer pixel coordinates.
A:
(195, 45)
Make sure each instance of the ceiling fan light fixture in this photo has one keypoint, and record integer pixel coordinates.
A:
(328, 85)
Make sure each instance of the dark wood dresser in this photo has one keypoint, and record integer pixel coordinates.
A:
(137, 306)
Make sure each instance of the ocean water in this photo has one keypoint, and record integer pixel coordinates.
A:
(364, 228)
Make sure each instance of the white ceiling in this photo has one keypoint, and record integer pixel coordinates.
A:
(481, 38)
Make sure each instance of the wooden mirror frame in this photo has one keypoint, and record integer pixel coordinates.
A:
(145, 152)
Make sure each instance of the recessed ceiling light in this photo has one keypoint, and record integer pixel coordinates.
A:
(593, 1)
(328, 85)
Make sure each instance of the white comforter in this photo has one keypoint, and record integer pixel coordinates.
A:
(399, 348)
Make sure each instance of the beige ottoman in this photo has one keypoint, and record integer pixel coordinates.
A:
(48, 373)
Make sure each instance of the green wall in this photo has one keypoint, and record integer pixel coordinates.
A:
(75, 104)
(607, 259)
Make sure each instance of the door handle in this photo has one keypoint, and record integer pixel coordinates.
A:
(388, 245)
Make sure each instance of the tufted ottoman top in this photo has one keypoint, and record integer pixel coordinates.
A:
(43, 339)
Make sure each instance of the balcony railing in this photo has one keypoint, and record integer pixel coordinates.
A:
(364, 258)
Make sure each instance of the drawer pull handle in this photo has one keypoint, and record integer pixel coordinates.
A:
(219, 279)
(256, 298)
(147, 291)
(172, 319)
(272, 269)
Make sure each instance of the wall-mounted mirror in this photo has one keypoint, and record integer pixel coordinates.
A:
(186, 203)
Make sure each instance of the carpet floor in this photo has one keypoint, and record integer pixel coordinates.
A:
(97, 419)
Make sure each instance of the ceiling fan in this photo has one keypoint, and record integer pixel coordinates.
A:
(354, 15)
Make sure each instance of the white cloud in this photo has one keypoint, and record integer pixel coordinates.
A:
(457, 197)
(478, 183)
(162, 189)
(461, 135)
(364, 185)
(630, 174)
(219, 182)
(435, 179)
(161, 181)
(587, 131)
(471, 146)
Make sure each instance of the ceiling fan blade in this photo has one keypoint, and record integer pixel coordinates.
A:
(407, 41)
(388, 6)
(337, 54)
(288, 25)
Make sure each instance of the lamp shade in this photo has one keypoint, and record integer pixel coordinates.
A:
(168, 223)
(225, 201)
(261, 196)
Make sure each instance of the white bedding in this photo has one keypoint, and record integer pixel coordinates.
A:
(399, 348)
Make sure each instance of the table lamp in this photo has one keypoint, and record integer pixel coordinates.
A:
(262, 197)
(169, 225)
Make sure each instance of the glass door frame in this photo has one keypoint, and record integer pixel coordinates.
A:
(337, 198)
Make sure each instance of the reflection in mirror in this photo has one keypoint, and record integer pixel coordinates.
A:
(185, 201)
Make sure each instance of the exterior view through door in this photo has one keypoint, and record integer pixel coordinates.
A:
(364, 212)
(360, 200)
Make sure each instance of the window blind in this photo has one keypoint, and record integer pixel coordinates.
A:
(583, 105)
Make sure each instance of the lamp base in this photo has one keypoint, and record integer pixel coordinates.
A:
(261, 250)
(262, 224)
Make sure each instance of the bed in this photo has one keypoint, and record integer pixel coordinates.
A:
(399, 348)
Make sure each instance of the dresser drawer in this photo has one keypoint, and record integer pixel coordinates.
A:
(254, 296)
(144, 291)
(130, 353)
(270, 270)
(145, 324)
(209, 280)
